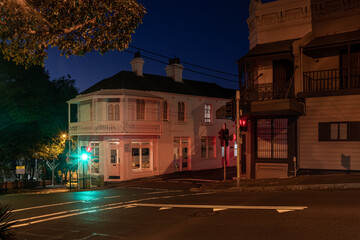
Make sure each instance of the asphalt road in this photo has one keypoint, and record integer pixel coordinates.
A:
(174, 213)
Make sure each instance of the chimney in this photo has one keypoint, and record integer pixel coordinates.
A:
(137, 64)
(174, 69)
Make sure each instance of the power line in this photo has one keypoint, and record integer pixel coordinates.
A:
(191, 64)
(185, 69)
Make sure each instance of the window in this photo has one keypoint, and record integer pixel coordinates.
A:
(140, 109)
(113, 112)
(208, 146)
(208, 110)
(95, 168)
(181, 111)
(117, 112)
(165, 111)
(339, 131)
(141, 155)
(110, 112)
(272, 138)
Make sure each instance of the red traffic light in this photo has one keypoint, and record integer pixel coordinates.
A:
(88, 149)
(233, 137)
(242, 122)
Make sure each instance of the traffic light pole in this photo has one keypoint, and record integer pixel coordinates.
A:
(238, 140)
(83, 174)
(225, 153)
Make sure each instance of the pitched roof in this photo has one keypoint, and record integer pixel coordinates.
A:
(157, 83)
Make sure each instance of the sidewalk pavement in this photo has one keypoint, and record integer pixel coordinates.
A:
(212, 181)
(304, 182)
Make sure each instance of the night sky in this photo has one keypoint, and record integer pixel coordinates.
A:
(209, 33)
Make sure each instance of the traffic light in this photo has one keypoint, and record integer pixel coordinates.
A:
(226, 136)
(221, 137)
(243, 124)
(233, 137)
(85, 153)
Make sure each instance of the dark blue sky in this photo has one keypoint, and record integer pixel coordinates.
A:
(210, 33)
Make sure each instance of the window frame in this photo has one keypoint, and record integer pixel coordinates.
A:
(115, 115)
(165, 112)
(352, 131)
(181, 111)
(207, 144)
(140, 109)
(208, 113)
(274, 152)
(140, 149)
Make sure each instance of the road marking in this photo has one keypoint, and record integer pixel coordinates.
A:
(193, 180)
(80, 211)
(160, 192)
(44, 206)
(279, 209)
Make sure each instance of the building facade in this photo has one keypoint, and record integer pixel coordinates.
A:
(300, 79)
(142, 125)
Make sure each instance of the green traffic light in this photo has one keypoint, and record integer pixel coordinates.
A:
(84, 156)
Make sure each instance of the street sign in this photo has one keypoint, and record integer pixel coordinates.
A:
(20, 169)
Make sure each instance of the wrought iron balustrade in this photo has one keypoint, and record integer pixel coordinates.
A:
(331, 80)
(268, 91)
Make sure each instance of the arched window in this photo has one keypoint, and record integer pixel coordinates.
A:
(110, 113)
(117, 112)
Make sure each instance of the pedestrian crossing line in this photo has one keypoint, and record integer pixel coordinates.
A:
(80, 211)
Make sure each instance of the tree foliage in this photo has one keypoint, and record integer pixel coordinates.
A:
(29, 27)
(33, 112)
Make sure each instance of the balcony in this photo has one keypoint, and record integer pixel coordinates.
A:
(268, 91)
(116, 128)
(331, 80)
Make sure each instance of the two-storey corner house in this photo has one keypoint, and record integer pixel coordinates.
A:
(328, 79)
(141, 125)
(268, 75)
(300, 79)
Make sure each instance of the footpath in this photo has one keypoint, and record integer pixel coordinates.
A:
(212, 181)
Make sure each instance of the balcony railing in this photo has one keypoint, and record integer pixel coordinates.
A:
(116, 127)
(331, 80)
(268, 91)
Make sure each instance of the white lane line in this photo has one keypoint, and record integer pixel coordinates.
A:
(80, 211)
(280, 209)
(160, 192)
(44, 206)
(113, 196)
(59, 204)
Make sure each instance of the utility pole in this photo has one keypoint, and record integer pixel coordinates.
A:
(225, 153)
(238, 138)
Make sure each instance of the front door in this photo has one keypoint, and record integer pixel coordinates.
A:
(182, 159)
(113, 162)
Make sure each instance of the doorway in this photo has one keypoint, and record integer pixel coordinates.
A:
(113, 167)
(182, 157)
